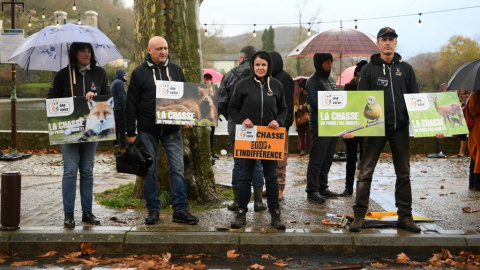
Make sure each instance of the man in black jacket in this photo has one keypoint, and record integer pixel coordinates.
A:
(388, 73)
(323, 148)
(227, 87)
(289, 89)
(140, 115)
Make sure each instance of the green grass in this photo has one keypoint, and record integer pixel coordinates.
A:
(26, 90)
(121, 197)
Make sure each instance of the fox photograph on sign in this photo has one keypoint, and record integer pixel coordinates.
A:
(435, 112)
(181, 103)
(76, 120)
(358, 112)
(259, 142)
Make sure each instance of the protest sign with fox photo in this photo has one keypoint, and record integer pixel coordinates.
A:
(74, 120)
(181, 103)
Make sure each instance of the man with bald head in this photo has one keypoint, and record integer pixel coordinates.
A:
(140, 117)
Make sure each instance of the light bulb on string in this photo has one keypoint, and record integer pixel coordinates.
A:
(58, 24)
(74, 6)
(29, 22)
(43, 15)
(309, 33)
(355, 23)
(118, 24)
(206, 32)
(419, 19)
(254, 32)
(79, 20)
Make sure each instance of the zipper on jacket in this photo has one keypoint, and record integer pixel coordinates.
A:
(84, 94)
(393, 97)
(261, 93)
(159, 73)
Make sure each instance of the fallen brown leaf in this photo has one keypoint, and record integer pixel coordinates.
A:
(48, 254)
(289, 259)
(232, 255)
(303, 262)
(196, 256)
(470, 210)
(288, 221)
(402, 258)
(23, 263)
(280, 263)
(256, 266)
(73, 255)
(377, 264)
(268, 257)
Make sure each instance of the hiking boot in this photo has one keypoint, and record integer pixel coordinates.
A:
(346, 192)
(234, 205)
(302, 153)
(357, 224)
(258, 204)
(407, 223)
(183, 216)
(89, 217)
(328, 194)
(276, 221)
(69, 221)
(240, 219)
(153, 217)
(315, 197)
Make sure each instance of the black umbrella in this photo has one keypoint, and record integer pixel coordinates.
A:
(467, 77)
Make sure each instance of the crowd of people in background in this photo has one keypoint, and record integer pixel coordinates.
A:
(258, 82)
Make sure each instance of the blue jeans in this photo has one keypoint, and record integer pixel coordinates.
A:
(173, 146)
(271, 184)
(257, 178)
(78, 157)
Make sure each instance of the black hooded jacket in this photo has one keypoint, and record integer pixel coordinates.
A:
(141, 96)
(287, 82)
(95, 80)
(319, 81)
(395, 79)
(257, 101)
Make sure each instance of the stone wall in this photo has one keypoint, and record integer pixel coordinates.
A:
(36, 140)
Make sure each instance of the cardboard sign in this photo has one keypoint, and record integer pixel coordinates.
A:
(435, 112)
(181, 103)
(358, 112)
(74, 120)
(259, 142)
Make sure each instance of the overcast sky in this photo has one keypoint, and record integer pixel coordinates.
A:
(437, 27)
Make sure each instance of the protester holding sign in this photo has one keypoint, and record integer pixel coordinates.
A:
(88, 80)
(140, 116)
(386, 71)
(259, 100)
(323, 148)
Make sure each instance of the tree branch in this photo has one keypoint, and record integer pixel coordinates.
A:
(369, 124)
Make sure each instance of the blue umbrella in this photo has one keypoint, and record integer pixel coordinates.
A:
(47, 49)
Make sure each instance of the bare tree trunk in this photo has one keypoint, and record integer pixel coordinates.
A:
(177, 22)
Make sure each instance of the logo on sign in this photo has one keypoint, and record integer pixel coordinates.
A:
(332, 100)
(169, 90)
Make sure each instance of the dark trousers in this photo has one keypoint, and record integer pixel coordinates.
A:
(271, 184)
(120, 128)
(372, 148)
(473, 178)
(321, 159)
(304, 137)
(351, 146)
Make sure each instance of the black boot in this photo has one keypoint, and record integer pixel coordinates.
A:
(234, 205)
(89, 217)
(153, 217)
(258, 204)
(407, 223)
(346, 192)
(357, 224)
(276, 220)
(69, 221)
(240, 219)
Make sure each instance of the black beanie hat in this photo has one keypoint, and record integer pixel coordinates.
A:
(359, 66)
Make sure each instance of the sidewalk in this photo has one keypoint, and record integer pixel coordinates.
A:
(440, 190)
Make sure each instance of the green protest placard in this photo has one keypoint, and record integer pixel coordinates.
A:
(76, 120)
(180, 103)
(358, 112)
(435, 112)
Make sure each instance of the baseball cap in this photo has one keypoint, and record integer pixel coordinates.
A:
(386, 31)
